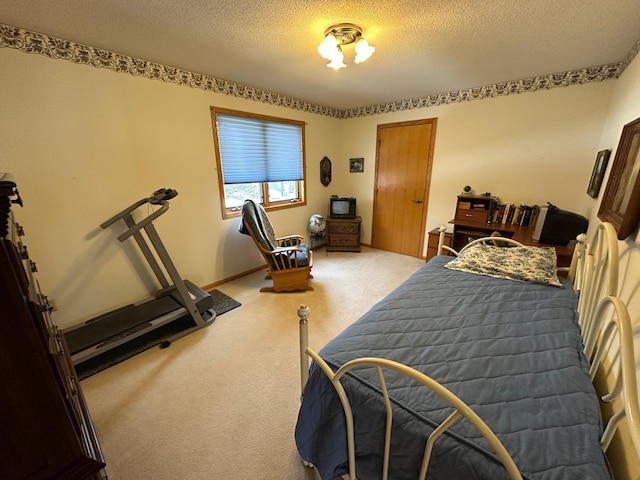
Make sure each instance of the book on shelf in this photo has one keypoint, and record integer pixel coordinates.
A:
(505, 215)
(498, 212)
(512, 214)
(535, 211)
(515, 218)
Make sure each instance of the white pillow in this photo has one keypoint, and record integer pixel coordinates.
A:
(524, 264)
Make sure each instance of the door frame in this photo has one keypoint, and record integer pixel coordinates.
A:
(425, 201)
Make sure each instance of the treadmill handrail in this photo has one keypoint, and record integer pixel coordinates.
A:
(142, 223)
(124, 212)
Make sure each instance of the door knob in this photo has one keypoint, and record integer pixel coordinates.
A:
(418, 201)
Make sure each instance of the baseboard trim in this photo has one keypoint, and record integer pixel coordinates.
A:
(213, 285)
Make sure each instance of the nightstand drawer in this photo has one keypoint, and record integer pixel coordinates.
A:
(344, 241)
(344, 228)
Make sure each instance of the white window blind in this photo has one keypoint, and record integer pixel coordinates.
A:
(254, 150)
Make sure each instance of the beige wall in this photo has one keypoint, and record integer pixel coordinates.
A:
(625, 107)
(84, 143)
(529, 148)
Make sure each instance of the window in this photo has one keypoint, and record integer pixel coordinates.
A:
(259, 158)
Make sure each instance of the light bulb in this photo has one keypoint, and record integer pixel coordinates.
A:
(328, 47)
(337, 61)
(363, 50)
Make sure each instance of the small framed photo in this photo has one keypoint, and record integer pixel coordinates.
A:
(598, 173)
(356, 165)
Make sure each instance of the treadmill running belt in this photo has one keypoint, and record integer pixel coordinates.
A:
(118, 322)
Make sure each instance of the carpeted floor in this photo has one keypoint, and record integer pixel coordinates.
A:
(222, 402)
(222, 303)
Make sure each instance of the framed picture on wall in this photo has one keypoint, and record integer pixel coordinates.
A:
(621, 201)
(356, 165)
(598, 173)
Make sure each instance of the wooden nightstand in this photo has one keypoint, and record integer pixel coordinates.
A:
(432, 245)
(343, 234)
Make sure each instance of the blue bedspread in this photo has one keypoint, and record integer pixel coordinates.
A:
(510, 350)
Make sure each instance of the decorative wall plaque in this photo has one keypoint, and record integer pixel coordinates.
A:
(325, 171)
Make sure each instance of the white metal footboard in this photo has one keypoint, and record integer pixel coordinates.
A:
(460, 409)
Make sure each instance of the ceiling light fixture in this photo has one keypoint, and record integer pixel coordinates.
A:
(336, 36)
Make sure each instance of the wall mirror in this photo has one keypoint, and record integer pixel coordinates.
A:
(621, 202)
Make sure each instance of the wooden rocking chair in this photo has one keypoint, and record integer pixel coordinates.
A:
(289, 261)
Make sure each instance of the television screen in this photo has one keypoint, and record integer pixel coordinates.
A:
(340, 207)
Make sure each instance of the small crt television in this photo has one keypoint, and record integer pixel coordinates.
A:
(342, 207)
(558, 227)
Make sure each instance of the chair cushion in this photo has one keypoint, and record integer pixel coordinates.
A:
(252, 220)
(266, 225)
(287, 259)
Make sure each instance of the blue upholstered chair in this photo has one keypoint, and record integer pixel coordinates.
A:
(289, 261)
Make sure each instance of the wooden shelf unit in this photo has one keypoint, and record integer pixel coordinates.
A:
(473, 209)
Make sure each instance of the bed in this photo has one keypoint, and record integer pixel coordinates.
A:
(481, 375)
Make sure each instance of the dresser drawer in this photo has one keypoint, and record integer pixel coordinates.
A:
(476, 215)
(344, 228)
(344, 241)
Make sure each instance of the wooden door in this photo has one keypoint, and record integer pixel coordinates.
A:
(403, 172)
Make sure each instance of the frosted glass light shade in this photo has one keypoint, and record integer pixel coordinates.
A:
(363, 50)
(328, 48)
(337, 61)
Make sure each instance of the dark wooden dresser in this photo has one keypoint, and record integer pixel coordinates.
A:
(45, 428)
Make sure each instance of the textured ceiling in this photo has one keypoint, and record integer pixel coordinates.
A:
(422, 47)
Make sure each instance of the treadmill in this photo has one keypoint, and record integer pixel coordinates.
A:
(178, 300)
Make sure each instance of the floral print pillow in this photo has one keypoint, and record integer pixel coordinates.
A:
(524, 264)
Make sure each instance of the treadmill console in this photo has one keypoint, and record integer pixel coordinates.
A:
(161, 195)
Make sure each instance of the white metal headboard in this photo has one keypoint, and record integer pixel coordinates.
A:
(606, 327)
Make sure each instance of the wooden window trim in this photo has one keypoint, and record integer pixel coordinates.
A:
(278, 205)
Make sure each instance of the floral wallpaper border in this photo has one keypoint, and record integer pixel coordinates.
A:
(57, 48)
